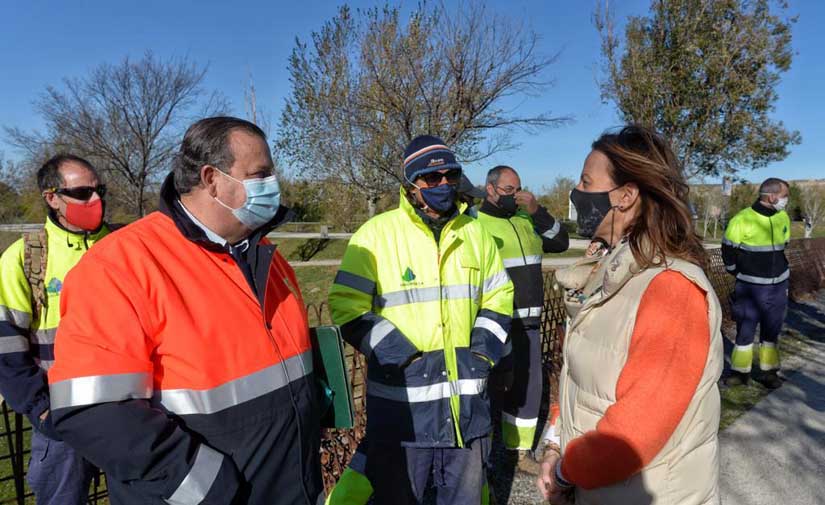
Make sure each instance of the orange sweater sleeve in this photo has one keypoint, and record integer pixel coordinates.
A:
(665, 362)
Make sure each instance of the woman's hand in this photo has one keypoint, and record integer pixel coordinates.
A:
(547, 484)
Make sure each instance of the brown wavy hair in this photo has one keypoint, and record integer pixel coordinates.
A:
(663, 227)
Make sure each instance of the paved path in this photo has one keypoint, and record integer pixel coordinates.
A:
(775, 453)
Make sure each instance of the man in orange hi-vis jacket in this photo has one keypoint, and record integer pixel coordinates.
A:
(183, 360)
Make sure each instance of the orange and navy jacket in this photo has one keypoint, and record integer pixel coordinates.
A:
(184, 374)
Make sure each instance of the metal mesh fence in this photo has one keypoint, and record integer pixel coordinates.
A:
(807, 262)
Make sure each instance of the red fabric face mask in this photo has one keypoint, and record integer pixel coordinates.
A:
(86, 216)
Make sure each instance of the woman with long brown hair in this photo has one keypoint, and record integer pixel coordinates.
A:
(643, 351)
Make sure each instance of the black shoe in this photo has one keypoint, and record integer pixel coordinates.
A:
(737, 379)
(770, 379)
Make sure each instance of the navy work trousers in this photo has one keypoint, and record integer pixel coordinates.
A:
(762, 304)
(401, 475)
(58, 475)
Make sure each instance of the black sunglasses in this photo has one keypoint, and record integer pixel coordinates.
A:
(82, 192)
(453, 176)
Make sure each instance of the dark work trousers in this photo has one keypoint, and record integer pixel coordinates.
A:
(521, 400)
(762, 304)
(57, 474)
(400, 475)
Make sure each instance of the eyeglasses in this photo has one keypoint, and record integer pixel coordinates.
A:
(82, 192)
(509, 190)
(433, 179)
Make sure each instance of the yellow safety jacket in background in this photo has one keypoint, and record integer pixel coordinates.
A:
(26, 345)
(753, 248)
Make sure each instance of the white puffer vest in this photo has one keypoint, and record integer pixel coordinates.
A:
(602, 299)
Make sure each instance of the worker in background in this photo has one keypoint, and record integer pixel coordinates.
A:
(523, 231)
(754, 252)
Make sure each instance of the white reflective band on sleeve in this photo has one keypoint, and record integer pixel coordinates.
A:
(100, 389)
(371, 340)
(730, 268)
(237, 391)
(45, 364)
(727, 242)
(495, 281)
(194, 487)
(16, 343)
(429, 393)
(18, 318)
(528, 312)
(518, 421)
(552, 232)
(522, 261)
(45, 336)
(492, 326)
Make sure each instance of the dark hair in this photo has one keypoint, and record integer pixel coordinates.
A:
(772, 185)
(207, 143)
(49, 176)
(663, 227)
(495, 172)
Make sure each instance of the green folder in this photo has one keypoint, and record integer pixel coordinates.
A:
(331, 373)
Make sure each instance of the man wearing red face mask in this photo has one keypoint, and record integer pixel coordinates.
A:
(31, 279)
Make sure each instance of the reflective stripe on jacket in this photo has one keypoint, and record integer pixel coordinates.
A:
(179, 379)
(431, 320)
(522, 248)
(27, 346)
(753, 248)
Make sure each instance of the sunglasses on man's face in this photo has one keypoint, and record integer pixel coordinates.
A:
(82, 192)
(432, 179)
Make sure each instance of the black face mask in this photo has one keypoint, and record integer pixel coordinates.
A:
(508, 203)
(591, 209)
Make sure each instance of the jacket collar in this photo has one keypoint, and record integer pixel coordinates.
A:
(411, 212)
(760, 208)
(74, 238)
(170, 206)
(491, 209)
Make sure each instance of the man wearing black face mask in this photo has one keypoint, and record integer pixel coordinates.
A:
(523, 231)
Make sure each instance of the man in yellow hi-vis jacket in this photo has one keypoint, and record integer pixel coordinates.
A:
(32, 271)
(423, 293)
(754, 252)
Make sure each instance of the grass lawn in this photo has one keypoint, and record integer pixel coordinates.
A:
(7, 490)
(7, 238)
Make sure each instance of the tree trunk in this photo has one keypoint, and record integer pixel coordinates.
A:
(140, 203)
(372, 205)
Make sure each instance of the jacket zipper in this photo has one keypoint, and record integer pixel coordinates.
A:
(268, 328)
(518, 238)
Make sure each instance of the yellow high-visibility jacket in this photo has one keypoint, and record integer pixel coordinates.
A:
(431, 318)
(27, 343)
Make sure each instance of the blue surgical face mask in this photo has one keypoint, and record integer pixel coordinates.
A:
(440, 198)
(263, 197)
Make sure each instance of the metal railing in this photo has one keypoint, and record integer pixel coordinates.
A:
(807, 262)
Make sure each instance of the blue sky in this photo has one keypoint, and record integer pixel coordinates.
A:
(42, 42)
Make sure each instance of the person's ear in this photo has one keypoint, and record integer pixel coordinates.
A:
(209, 179)
(628, 194)
(52, 200)
(491, 192)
